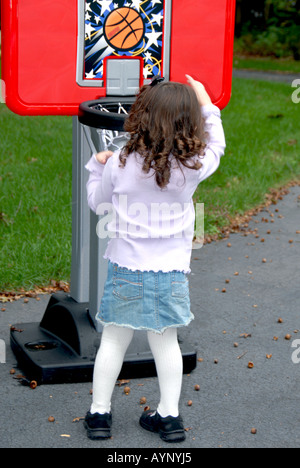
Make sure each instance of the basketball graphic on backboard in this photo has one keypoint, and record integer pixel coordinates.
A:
(124, 28)
(130, 28)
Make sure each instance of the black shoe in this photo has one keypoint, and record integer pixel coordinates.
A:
(170, 429)
(98, 426)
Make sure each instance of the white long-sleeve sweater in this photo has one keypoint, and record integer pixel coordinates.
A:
(151, 229)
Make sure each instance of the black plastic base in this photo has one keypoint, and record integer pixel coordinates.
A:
(63, 347)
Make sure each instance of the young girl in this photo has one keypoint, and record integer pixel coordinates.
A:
(176, 141)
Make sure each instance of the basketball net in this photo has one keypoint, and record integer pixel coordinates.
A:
(112, 140)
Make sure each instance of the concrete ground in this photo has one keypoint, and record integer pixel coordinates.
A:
(231, 329)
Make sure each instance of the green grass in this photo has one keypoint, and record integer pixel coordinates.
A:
(263, 137)
(35, 200)
(266, 64)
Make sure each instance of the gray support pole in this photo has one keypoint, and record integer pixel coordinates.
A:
(98, 266)
(98, 270)
(89, 269)
(80, 217)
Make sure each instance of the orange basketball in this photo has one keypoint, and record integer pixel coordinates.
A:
(124, 28)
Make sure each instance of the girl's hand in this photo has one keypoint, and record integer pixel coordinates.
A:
(200, 91)
(104, 156)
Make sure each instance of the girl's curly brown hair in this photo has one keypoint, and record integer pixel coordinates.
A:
(165, 120)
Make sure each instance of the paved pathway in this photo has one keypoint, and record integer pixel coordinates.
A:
(266, 76)
(233, 399)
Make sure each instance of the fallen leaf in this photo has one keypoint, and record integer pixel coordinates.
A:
(275, 116)
(19, 330)
(75, 420)
(4, 299)
(292, 142)
(122, 382)
(242, 355)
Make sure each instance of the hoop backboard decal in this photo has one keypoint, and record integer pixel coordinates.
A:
(121, 28)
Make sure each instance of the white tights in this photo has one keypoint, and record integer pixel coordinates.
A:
(109, 361)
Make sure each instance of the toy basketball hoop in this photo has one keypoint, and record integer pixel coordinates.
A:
(87, 59)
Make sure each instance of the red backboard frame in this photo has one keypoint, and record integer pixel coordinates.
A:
(39, 52)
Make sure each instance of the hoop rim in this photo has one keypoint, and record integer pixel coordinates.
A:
(105, 120)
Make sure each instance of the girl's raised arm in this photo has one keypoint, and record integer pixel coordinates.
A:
(200, 91)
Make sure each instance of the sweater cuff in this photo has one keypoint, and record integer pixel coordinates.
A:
(210, 109)
(94, 166)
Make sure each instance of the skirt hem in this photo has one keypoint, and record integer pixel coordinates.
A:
(141, 328)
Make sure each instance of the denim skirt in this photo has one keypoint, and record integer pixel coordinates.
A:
(145, 300)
